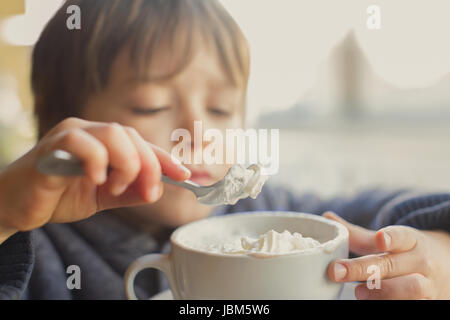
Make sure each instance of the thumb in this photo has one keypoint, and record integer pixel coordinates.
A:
(361, 240)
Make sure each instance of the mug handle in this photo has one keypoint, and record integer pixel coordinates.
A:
(157, 261)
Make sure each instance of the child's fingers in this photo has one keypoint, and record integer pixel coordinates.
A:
(124, 157)
(408, 287)
(147, 187)
(127, 153)
(85, 147)
(69, 124)
(170, 165)
(133, 196)
(149, 178)
(361, 240)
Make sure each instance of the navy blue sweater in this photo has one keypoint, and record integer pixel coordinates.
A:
(33, 264)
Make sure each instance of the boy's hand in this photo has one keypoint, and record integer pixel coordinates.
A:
(413, 264)
(29, 199)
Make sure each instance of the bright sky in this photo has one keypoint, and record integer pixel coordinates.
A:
(289, 39)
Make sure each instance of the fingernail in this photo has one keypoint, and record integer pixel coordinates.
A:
(180, 165)
(361, 293)
(186, 170)
(329, 214)
(340, 271)
(119, 189)
(175, 159)
(100, 177)
(154, 193)
(387, 239)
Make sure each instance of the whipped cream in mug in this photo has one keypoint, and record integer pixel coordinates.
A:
(268, 244)
(272, 243)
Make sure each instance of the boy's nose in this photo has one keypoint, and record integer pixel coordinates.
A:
(192, 121)
(187, 121)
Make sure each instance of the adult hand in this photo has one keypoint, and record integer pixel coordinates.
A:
(412, 264)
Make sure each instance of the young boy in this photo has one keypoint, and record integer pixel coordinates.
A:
(136, 71)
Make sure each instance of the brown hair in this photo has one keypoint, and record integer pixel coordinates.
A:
(70, 65)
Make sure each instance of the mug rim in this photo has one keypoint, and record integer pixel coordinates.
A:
(330, 245)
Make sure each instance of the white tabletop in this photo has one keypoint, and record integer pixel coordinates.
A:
(347, 294)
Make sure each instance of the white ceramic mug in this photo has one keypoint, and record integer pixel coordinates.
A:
(199, 274)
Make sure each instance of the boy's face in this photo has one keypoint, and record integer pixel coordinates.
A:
(202, 91)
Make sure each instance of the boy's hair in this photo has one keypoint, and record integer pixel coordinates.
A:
(70, 65)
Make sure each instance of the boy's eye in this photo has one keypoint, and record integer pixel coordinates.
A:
(144, 111)
(218, 111)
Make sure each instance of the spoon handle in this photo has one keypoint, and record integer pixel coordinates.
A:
(187, 184)
(63, 163)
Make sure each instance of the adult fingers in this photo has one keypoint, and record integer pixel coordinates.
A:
(361, 240)
(381, 265)
(397, 238)
(408, 287)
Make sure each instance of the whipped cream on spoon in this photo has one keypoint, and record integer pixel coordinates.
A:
(238, 183)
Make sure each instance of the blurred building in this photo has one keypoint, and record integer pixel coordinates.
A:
(347, 87)
(354, 130)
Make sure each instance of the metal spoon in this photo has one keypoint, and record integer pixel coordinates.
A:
(63, 163)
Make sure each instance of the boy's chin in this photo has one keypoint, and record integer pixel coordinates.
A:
(175, 216)
(175, 209)
(185, 218)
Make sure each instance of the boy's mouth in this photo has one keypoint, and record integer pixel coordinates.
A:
(202, 177)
